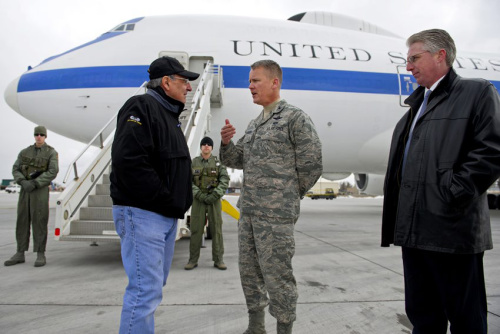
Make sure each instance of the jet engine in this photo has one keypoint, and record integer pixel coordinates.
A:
(370, 184)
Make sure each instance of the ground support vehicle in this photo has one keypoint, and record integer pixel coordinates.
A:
(328, 194)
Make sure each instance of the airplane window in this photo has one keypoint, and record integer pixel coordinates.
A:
(130, 27)
(120, 28)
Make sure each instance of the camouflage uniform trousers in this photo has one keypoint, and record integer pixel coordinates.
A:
(32, 209)
(199, 212)
(266, 248)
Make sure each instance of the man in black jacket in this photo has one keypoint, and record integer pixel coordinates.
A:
(150, 188)
(444, 155)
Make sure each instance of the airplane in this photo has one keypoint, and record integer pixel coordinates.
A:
(347, 74)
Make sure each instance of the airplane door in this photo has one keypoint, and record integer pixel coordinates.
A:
(182, 57)
(194, 64)
(198, 64)
(407, 84)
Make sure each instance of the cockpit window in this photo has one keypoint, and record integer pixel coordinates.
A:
(125, 27)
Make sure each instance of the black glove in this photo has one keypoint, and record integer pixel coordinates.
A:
(28, 186)
(211, 199)
(35, 174)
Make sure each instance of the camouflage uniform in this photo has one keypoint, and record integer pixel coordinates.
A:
(281, 159)
(209, 177)
(33, 207)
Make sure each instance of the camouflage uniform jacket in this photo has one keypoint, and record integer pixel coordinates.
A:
(42, 161)
(281, 160)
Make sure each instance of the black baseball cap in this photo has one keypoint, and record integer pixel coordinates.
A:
(167, 66)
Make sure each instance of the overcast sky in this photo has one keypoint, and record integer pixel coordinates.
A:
(33, 30)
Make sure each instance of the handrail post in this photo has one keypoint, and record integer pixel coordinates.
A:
(75, 170)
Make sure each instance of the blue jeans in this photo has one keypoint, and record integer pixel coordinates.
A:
(147, 248)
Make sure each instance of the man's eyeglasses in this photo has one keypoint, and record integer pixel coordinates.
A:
(412, 59)
(186, 80)
(39, 134)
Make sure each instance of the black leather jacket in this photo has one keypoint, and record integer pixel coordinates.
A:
(440, 203)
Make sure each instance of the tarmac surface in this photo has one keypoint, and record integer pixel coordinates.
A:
(347, 283)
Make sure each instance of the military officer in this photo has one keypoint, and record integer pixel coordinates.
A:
(280, 154)
(210, 181)
(36, 166)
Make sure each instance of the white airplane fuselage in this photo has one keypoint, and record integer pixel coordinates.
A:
(346, 80)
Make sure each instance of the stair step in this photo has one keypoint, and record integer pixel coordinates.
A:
(100, 201)
(105, 179)
(102, 189)
(183, 118)
(96, 213)
(92, 227)
(91, 238)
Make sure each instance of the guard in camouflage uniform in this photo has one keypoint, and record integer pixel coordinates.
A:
(35, 167)
(280, 154)
(210, 181)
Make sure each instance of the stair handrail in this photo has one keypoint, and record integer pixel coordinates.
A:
(202, 83)
(200, 116)
(101, 143)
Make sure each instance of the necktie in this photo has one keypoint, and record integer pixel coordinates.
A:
(420, 112)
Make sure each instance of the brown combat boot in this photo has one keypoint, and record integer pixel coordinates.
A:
(283, 328)
(256, 322)
(17, 258)
(190, 266)
(220, 265)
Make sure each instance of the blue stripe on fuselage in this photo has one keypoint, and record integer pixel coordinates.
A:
(84, 77)
(321, 80)
(234, 77)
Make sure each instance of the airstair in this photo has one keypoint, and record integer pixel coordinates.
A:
(84, 208)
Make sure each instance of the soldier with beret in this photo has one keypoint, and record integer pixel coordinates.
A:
(210, 181)
(35, 168)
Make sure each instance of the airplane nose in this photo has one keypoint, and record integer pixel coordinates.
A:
(10, 95)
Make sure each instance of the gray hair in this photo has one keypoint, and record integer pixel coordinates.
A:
(153, 83)
(271, 66)
(435, 40)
